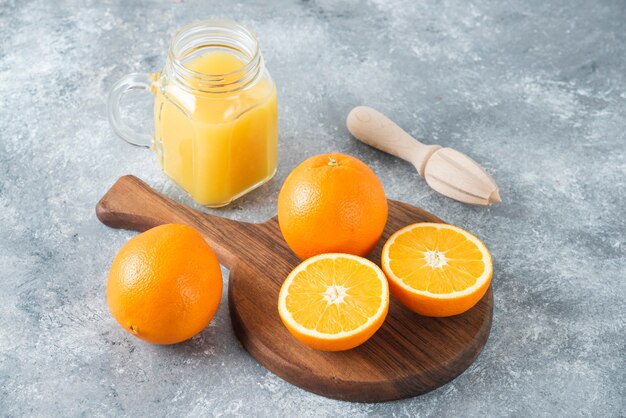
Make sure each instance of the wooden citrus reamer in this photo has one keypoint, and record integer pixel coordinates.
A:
(446, 170)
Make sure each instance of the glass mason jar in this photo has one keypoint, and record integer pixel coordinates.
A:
(215, 112)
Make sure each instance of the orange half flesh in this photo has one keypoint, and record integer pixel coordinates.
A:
(334, 302)
(436, 269)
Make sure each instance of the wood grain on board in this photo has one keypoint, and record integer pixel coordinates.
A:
(409, 355)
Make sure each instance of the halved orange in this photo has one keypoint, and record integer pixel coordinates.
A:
(334, 302)
(436, 269)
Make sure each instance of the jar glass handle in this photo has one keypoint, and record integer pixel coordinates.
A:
(129, 82)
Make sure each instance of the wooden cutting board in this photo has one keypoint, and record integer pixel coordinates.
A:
(409, 355)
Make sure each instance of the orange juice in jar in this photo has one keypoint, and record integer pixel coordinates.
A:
(215, 112)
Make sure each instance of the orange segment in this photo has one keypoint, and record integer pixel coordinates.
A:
(436, 269)
(334, 302)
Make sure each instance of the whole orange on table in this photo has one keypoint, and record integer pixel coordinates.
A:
(165, 284)
(332, 203)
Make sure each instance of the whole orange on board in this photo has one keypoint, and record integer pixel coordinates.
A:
(332, 203)
(165, 284)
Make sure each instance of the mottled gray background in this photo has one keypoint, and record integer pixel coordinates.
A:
(534, 90)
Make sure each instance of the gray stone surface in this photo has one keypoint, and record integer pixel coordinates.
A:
(534, 90)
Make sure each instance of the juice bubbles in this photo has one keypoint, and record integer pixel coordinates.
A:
(217, 145)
